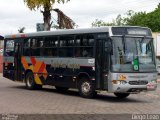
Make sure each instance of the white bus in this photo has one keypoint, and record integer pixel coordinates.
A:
(120, 60)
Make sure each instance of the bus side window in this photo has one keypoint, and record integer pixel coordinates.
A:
(9, 48)
(84, 45)
(27, 42)
(26, 50)
(66, 46)
(50, 44)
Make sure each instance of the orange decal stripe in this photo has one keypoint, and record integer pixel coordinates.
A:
(33, 60)
(42, 67)
(37, 66)
(45, 73)
(24, 63)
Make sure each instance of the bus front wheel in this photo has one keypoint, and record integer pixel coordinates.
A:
(30, 82)
(121, 95)
(86, 88)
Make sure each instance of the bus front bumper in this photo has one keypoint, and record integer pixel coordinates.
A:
(127, 88)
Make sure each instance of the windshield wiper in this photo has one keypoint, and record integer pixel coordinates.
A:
(123, 41)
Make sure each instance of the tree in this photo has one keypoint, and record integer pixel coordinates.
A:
(115, 22)
(151, 19)
(138, 19)
(64, 21)
(46, 5)
(98, 23)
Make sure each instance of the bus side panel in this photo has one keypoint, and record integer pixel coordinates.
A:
(67, 77)
(65, 72)
(62, 72)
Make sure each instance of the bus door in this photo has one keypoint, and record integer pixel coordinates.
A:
(102, 64)
(17, 61)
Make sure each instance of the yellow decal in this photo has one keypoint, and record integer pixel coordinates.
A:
(122, 77)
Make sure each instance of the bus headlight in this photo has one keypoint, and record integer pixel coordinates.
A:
(154, 81)
(119, 82)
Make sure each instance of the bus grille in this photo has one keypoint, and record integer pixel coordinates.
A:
(140, 82)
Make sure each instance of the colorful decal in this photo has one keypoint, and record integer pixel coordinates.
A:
(122, 77)
(36, 67)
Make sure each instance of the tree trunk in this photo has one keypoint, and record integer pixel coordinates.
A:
(47, 19)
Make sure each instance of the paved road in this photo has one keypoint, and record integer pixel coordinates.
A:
(15, 99)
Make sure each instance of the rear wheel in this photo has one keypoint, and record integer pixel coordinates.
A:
(122, 95)
(86, 88)
(61, 89)
(30, 82)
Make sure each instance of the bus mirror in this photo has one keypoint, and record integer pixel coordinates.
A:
(1, 37)
(108, 46)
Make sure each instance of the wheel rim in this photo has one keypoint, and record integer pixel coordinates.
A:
(85, 87)
(29, 81)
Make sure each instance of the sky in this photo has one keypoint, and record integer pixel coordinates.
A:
(14, 14)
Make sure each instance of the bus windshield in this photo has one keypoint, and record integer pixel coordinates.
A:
(133, 54)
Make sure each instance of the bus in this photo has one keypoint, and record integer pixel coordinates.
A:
(119, 60)
(1, 53)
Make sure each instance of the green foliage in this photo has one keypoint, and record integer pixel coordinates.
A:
(119, 21)
(36, 4)
(98, 23)
(154, 20)
(151, 20)
(137, 19)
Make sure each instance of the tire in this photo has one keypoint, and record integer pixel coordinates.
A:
(30, 82)
(121, 95)
(61, 89)
(86, 88)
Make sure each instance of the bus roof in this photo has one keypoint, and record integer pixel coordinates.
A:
(65, 32)
(59, 32)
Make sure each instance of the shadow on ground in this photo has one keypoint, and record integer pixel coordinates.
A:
(100, 97)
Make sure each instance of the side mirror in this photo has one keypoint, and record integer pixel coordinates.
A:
(1, 37)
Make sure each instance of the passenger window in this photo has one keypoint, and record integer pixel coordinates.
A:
(27, 42)
(84, 45)
(51, 41)
(66, 46)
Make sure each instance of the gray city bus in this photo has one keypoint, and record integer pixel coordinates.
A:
(120, 60)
